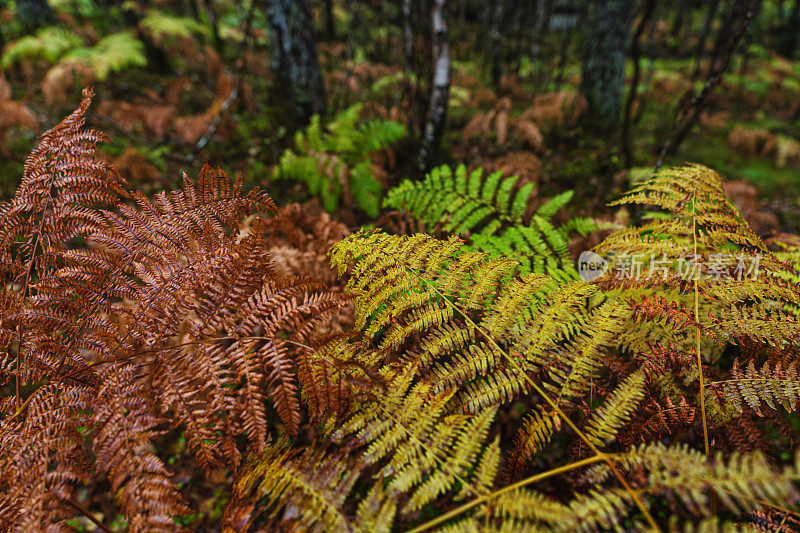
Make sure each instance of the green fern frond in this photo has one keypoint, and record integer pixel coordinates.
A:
(162, 25)
(337, 158)
(425, 452)
(49, 44)
(376, 512)
(534, 434)
(580, 362)
(697, 211)
(490, 210)
(553, 205)
(530, 511)
(462, 202)
(397, 282)
(497, 387)
(112, 53)
(738, 482)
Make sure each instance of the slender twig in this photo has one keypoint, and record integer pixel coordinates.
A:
(685, 118)
(636, 53)
(78, 507)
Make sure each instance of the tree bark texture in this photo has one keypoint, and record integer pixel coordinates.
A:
(294, 56)
(496, 37)
(408, 36)
(540, 27)
(33, 14)
(608, 26)
(440, 90)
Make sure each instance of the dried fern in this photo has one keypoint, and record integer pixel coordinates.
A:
(167, 317)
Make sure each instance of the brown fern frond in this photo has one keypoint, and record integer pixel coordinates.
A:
(41, 457)
(303, 235)
(62, 189)
(775, 386)
(655, 420)
(130, 318)
(125, 427)
(532, 436)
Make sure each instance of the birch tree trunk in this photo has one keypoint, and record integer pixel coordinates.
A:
(440, 90)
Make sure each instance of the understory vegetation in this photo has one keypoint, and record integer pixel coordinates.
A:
(235, 298)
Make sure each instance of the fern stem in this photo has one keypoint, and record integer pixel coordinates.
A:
(697, 321)
(78, 507)
(600, 455)
(763, 502)
(19, 322)
(508, 488)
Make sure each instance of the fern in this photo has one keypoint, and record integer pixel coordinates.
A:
(161, 26)
(491, 211)
(112, 53)
(616, 410)
(49, 44)
(123, 316)
(170, 318)
(337, 163)
(742, 483)
(773, 386)
(312, 485)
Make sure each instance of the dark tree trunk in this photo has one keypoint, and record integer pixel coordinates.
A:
(330, 23)
(636, 52)
(791, 32)
(689, 108)
(33, 14)
(608, 26)
(677, 22)
(738, 12)
(440, 90)
(496, 37)
(408, 36)
(540, 27)
(212, 18)
(157, 59)
(294, 57)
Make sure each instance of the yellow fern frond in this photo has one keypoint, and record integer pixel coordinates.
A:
(618, 408)
(313, 484)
